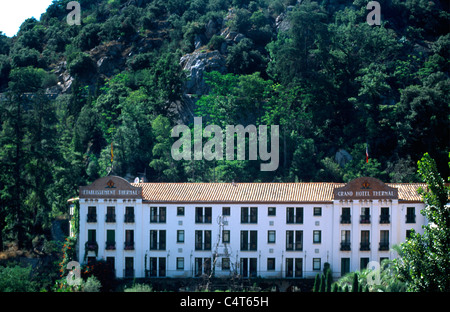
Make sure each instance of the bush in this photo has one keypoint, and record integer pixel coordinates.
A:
(92, 284)
(216, 42)
(139, 288)
(88, 37)
(16, 279)
(82, 65)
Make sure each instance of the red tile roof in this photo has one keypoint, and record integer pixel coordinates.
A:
(314, 192)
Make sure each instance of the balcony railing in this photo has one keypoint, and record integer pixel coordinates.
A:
(91, 217)
(364, 246)
(345, 246)
(129, 218)
(110, 245)
(346, 219)
(411, 218)
(202, 246)
(384, 246)
(91, 246)
(110, 218)
(384, 219)
(364, 219)
(128, 246)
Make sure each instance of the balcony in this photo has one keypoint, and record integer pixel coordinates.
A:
(365, 246)
(202, 246)
(110, 245)
(411, 218)
(384, 219)
(110, 218)
(129, 218)
(346, 219)
(91, 246)
(91, 217)
(128, 246)
(364, 219)
(345, 246)
(384, 246)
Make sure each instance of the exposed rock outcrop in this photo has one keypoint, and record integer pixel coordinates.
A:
(196, 64)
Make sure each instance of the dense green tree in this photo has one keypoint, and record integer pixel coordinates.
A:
(424, 258)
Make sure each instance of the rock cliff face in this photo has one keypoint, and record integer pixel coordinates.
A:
(196, 64)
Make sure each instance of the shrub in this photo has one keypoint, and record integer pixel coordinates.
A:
(16, 279)
(139, 288)
(92, 284)
(82, 65)
(216, 42)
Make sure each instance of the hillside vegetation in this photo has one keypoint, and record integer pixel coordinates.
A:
(134, 69)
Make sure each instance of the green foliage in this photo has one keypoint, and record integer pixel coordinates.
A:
(424, 262)
(92, 284)
(16, 279)
(139, 288)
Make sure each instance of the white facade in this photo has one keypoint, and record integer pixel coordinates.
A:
(270, 240)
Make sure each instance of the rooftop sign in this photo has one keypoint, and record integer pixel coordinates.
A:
(365, 188)
(111, 187)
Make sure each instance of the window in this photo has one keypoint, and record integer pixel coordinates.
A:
(92, 236)
(294, 215)
(91, 244)
(271, 211)
(248, 267)
(365, 243)
(345, 240)
(129, 267)
(158, 266)
(317, 237)
(180, 212)
(384, 240)
(92, 214)
(180, 263)
(410, 215)
(294, 240)
(291, 270)
(225, 236)
(345, 216)
(202, 240)
(226, 264)
(249, 240)
(110, 240)
(226, 211)
(365, 215)
(110, 214)
(363, 262)
(251, 217)
(129, 215)
(345, 266)
(317, 211)
(271, 237)
(384, 216)
(202, 266)
(270, 264)
(158, 214)
(203, 215)
(129, 240)
(180, 236)
(317, 266)
(158, 239)
(111, 261)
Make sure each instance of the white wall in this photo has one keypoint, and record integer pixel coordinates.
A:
(328, 223)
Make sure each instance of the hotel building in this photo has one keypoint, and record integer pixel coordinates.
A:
(269, 230)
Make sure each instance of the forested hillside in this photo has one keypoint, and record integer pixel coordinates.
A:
(134, 69)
